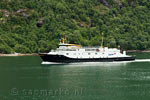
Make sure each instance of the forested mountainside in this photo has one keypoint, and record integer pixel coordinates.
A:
(32, 26)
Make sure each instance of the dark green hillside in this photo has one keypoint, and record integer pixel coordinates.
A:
(31, 26)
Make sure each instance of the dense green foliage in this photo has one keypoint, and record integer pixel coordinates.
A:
(31, 26)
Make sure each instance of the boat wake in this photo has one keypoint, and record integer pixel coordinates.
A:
(142, 60)
(137, 60)
(53, 63)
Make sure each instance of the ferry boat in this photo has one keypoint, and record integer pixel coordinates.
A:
(73, 53)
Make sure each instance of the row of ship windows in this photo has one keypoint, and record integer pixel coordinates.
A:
(98, 50)
(91, 49)
(77, 49)
(79, 53)
(66, 50)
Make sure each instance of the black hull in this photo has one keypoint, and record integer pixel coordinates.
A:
(64, 59)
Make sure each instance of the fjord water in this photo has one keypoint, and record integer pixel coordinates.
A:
(25, 78)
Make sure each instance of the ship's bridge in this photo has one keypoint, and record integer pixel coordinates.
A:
(68, 46)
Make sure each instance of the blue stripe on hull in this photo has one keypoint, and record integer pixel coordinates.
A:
(64, 59)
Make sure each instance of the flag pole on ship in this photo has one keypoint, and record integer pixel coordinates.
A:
(102, 40)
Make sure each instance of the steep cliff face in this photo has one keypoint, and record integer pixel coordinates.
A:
(37, 25)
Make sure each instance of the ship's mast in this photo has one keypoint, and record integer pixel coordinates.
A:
(102, 40)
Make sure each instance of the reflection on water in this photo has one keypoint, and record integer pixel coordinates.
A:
(25, 78)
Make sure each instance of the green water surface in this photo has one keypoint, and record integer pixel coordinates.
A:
(25, 78)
